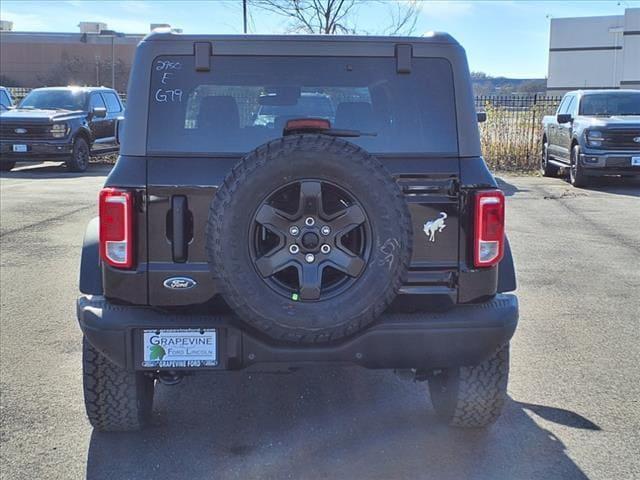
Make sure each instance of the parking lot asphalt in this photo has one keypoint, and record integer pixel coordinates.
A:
(573, 410)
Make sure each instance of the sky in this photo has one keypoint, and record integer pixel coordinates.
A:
(502, 38)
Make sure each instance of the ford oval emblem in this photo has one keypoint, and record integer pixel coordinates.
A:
(20, 130)
(179, 283)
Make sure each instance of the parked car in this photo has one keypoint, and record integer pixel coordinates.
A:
(378, 241)
(593, 133)
(60, 123)
(6, 100)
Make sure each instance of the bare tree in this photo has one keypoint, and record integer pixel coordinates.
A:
(403, 15)
(338, 16)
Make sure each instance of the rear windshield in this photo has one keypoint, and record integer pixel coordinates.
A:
(246, 101)
(55, 100)
(610, 104)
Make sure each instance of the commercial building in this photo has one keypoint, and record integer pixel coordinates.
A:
(594, 52)
(34, 59)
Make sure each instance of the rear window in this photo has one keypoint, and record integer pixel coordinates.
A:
(245, 101)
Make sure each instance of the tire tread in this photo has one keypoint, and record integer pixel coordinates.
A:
(480, 393)
(115, 399)
(260, 158)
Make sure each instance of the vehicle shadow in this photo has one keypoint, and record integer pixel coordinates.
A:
(335, 423)
(48, 170)
(616, 185)
(507, 188)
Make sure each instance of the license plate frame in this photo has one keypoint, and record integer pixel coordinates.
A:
(19, 148)
(177, 348)
(635, 161)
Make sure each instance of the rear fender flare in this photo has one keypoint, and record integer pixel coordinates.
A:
(506, 270)
(90, 266)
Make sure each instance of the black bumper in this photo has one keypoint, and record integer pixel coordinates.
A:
(35, 150)
(463, 335)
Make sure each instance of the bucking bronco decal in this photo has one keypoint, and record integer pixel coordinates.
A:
(433, 226)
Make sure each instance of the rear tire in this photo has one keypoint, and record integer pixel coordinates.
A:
(116, 400)
(472, 397)
(6, 166)
(577, 177)
(547, 169)
(79, 160)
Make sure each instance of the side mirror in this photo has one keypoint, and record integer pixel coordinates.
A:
(99, 112)
(564, 117)
(482, 117)
(118, 133)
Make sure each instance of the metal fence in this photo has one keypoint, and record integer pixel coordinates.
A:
(511, 136)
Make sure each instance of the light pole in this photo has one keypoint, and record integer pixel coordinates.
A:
(113, 34)
(244, 15)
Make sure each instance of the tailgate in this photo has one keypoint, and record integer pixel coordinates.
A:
(181, 189)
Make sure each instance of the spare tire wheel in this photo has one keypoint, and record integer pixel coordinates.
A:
(309, 237)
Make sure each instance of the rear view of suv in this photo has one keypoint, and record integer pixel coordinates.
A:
(283, 200)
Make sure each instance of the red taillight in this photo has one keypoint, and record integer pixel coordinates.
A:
(116, 227)
(489, 228)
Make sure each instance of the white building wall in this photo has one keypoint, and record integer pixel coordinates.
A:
(631, 52)
(594, 52)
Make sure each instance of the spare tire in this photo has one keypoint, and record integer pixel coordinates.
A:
(309, 238)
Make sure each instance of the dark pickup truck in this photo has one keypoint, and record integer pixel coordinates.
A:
(60, 123)
(593, 133)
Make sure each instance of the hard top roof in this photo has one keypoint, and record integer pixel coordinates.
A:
(427, 38)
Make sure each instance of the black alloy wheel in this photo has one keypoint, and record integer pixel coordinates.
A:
(310, 240)
(79, 160)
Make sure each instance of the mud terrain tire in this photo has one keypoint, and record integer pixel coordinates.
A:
(472, 397)
(300, 158)
(116, 400)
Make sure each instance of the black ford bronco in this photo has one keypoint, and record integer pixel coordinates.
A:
(289, 200)
(60, 123)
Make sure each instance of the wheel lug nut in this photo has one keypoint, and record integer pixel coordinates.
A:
(293, 230)
(325, 248)
(309, 257)
(309, 221)
(294, 249)
(325, 230)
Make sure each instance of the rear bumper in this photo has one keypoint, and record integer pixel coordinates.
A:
(463, 335)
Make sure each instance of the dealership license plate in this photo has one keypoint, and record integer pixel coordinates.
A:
(180, 348)
(19, 148)
(635, 161)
